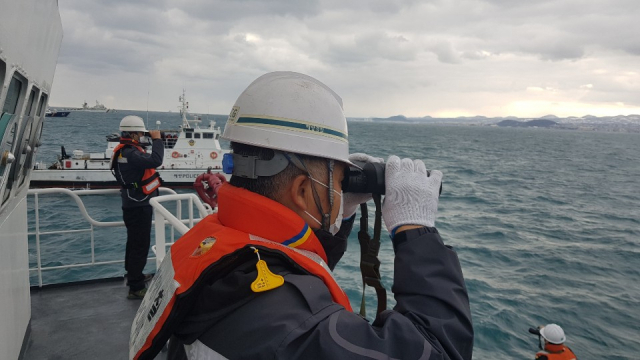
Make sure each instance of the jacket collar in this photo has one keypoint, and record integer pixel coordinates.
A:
(129, 141)
(257, 215)
(554, 348)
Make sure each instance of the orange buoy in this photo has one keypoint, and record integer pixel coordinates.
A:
(175, 154)
(213, 155)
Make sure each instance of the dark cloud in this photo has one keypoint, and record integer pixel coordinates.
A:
(230, 11)
(490, 50)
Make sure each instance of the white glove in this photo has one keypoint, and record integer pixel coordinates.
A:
(411, 195)
(353, 200)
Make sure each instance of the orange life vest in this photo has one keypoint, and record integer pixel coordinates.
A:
(209, 251)
(150, 179)
(556, 352)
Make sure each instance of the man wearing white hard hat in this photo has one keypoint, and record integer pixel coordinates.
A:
(254, 281)
(135, 171)
(554, 348)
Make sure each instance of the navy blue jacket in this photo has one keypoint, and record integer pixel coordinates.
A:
(131, 169)
(299, 320)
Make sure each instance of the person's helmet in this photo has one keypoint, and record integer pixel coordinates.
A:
(553, 334)
(290, 112)
(132, 123)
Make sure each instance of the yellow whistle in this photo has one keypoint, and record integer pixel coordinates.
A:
(266, 280)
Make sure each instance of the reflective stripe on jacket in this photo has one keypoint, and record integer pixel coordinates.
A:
(210, 250)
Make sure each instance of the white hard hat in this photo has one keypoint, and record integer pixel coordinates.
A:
(553, 334)
(290, 112)
(132, 123)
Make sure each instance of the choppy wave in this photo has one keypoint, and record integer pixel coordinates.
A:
(546, 225)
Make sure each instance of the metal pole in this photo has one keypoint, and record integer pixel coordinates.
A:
(37, 209)
(190, 212)
(160, 239)
(93, 246)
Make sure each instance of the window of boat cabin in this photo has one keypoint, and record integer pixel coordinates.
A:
(3, 71)
(188, 135)
(13, 95)
(27, 134)
(207, 135)
(41, 105)
(3, 124)
(196, 135)
(24, 150)
(31, 108)
(8, 128)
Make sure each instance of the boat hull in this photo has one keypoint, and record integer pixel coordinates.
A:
(104, 179)
(58, 114)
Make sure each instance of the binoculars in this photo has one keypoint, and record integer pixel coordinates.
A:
(368, 179)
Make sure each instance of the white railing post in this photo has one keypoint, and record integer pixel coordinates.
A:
(93, 246)
(160, 237)
(190, 212)
(37, 210)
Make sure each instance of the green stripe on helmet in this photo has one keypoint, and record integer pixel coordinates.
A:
(293, 125)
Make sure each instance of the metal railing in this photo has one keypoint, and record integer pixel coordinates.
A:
(163, 216)
(161, 213)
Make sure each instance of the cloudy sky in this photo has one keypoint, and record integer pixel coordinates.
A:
(441, 58)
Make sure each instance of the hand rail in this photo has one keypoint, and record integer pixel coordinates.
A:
(75, 195)
(160, 212)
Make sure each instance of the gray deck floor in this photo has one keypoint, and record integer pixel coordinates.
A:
(82, 321)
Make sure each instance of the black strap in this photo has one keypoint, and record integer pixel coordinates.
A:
(369, 262)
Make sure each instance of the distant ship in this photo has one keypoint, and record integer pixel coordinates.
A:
(56, 113)
(96, 108)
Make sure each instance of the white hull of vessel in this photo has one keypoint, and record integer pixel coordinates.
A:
(30, 37)
(96, 179)
(189, 152)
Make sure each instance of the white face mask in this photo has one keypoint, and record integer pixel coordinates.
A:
(333, 228)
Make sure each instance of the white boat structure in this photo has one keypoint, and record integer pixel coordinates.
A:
(89, 319)
(189, 152)
(30, 38)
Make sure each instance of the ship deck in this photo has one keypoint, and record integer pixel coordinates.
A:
(87, 320)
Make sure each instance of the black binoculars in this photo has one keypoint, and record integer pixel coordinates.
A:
(368, 179)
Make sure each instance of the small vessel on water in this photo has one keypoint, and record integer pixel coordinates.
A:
(189, 151)
(56, 113)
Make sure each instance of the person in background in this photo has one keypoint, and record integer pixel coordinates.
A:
(554, 348)
(134, 169)
(254, 280)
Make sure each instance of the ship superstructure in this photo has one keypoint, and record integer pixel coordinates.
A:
(30, 38)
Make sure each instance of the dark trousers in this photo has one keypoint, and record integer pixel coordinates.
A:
(138, 223)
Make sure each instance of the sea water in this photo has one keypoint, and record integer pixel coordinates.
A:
(546, 224)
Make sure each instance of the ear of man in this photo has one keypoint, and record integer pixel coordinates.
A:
(297, 194)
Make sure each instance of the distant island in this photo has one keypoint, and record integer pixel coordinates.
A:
(620, 123)
(530, 123)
